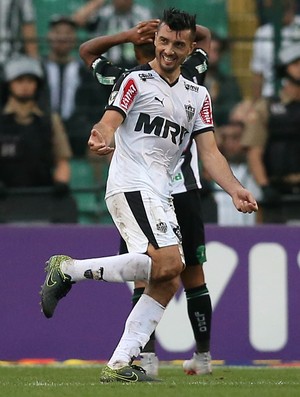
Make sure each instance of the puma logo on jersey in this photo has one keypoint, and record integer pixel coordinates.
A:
(160, 100)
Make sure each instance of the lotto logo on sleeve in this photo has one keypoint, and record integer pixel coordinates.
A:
(206, 113)
(129, 93)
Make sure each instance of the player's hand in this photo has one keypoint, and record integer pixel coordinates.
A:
(244, 201)
(97, 144)
(144, 32)
(148, 28)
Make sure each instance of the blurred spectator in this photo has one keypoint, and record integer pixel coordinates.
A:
(34, 150)
(272, 138)
(222, 86)
(73, 92)
(112, 18)
(17, 29)
(262, 63)
(229, 141)
(264, 10)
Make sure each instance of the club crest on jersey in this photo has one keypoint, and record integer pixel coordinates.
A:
(129, 93)
(206, 113)
(162, 227)
(145, 76)
(190, 111)
(191, 87)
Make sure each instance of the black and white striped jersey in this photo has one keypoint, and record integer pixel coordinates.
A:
(13, 15)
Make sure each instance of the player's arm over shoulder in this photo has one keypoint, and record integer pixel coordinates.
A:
(105, 72)
(195, 67)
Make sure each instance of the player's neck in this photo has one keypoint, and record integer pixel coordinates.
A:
(170, 77)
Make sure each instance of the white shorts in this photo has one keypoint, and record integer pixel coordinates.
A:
(142, 218)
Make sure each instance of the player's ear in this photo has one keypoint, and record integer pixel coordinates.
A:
(193, 46)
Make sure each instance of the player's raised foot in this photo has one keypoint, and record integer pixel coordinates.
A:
(199, 364)
(150, 363)
(127, 374)
(56, 285)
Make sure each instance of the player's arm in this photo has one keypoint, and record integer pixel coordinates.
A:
(101, 138)
(195, 67)
(219, 170)
(203, 38)
(139, 34)
(83, 13)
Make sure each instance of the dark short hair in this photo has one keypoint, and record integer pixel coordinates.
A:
(147, 49)
(58, 19)
(179, 20)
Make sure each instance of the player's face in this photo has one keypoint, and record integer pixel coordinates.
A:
(172, 48)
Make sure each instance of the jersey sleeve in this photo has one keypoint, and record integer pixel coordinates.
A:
(195, 67)
(204, 121)
(105, 72)
(124, 94)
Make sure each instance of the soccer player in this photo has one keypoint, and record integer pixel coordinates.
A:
(153, 112)
(186, 188)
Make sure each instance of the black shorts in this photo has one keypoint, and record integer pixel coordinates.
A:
(189, 215)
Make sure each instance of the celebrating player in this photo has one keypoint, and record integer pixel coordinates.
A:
(186, 188)
(150, 136)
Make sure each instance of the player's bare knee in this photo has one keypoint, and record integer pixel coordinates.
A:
(164, 271)
(166, 263)
(163, 291)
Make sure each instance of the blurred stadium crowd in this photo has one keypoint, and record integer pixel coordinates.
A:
(253, 78)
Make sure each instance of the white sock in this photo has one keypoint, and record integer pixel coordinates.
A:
(118, 268)
(140, 324)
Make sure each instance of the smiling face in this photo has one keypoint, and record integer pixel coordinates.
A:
(172, 48)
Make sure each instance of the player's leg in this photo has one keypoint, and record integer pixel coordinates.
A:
(149, 359)
(156, 220)
(200, 315)
(188, 211)
(63, 272)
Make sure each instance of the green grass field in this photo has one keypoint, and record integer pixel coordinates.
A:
(82, 381)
